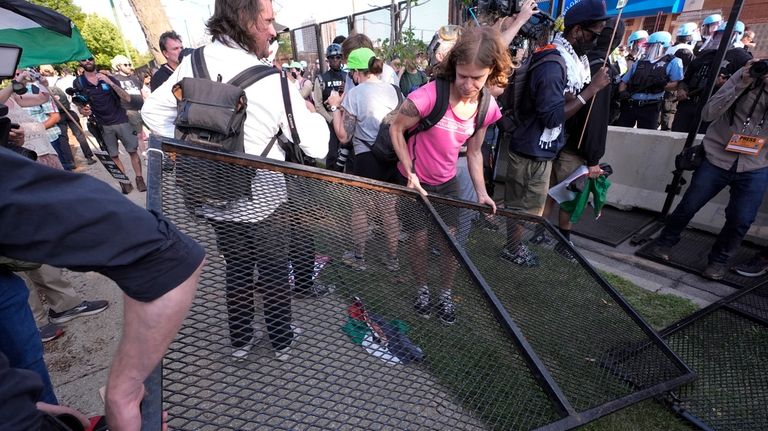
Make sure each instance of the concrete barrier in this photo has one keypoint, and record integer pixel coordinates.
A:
(643, 161)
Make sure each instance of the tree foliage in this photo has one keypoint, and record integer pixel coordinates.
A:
(105, 41)
(405, 48)
(65, 7)
(100, 35)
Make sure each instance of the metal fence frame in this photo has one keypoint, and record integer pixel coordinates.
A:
(570, 418)
(722, 304)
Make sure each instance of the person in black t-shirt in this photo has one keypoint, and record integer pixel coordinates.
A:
(170, 46)
(106, 96)
(331, 80)
(155, 265)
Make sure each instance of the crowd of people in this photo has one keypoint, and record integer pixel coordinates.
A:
(545, 98)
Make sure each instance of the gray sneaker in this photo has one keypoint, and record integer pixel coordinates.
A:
(715, 271)
(521, 255)
(50, 332)
(423, 304)
(86, 308)
(349, 258)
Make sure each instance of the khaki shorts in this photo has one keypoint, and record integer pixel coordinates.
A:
(134, 117)
(527, 184)
(563, 166)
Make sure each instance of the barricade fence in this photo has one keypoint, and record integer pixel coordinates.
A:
(330, 301)
(725, 344)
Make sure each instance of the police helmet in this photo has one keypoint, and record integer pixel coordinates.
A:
(333, 49)
(662, 37)
(738, 28)
(687, 29)
(712, 19)
(640, 34)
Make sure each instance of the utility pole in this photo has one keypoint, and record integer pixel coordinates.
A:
(120, 29)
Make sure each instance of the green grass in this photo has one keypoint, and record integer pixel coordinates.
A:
(658, 309)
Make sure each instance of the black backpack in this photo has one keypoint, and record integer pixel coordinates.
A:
(382, 147)
(212, 114)
(515, 102)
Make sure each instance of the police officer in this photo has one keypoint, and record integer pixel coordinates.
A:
(682, 49)
(637, 42)
(694, 84)
(642, 87)
(708, 28)
(330, 80)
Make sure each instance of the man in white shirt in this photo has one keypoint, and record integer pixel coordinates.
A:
(250, 232)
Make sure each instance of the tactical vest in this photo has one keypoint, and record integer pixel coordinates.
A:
(650, 78)
(332, 80)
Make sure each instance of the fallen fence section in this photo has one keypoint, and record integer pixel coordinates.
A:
(727, 345)
(332, 302)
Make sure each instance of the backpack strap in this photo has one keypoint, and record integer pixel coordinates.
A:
(291, 122)
(199, 68)
(443, 90)
(400, 98)
(482, 109)
(250, 75)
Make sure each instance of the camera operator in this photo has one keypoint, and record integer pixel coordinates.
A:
(734, 157)
(105, 96)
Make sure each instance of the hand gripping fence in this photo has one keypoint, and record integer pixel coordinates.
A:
(334, 302)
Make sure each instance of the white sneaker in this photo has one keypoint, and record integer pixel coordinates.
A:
(242, 352)
(285, 353)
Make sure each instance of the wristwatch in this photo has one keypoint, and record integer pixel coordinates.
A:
(334, 108)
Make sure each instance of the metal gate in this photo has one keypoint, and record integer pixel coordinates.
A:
(291, 330)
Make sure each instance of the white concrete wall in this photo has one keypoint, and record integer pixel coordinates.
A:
(643, 161)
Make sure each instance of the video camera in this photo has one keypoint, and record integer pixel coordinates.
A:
(78, 97)
(499, 7)
(759, 69)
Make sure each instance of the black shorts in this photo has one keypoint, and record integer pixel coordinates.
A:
(366, 165)
(413, 219)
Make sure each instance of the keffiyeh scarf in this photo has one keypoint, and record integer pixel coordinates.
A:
(577, 67)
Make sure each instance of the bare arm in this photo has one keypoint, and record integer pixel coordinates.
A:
(122, 94)
(406, 118)
(53, 119)
(317, 97)
(475, 165)
(29, 100)
(148, 329)
(344, 125)
(671, 86)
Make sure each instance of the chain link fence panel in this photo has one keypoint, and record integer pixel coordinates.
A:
(311, 311)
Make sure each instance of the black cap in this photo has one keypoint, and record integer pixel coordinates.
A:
(585, 11)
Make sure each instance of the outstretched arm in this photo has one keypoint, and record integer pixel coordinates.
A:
(148, 329)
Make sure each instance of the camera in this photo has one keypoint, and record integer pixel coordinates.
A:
(341, 158)
(78, 98)
(759, 69)
(499, 7)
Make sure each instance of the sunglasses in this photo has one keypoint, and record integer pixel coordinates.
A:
(595, 34)
(334, 57)
(127, 64)
(87, 59)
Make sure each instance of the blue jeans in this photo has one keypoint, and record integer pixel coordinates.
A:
(65, 153)
(746, 196)
(19, 337)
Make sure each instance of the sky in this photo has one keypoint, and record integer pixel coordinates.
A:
(187, 17)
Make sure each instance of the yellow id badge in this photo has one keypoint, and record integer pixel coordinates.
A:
(745, 144)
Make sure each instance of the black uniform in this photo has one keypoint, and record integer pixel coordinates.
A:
(670, 97)
(695, 83)
(329, 81)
